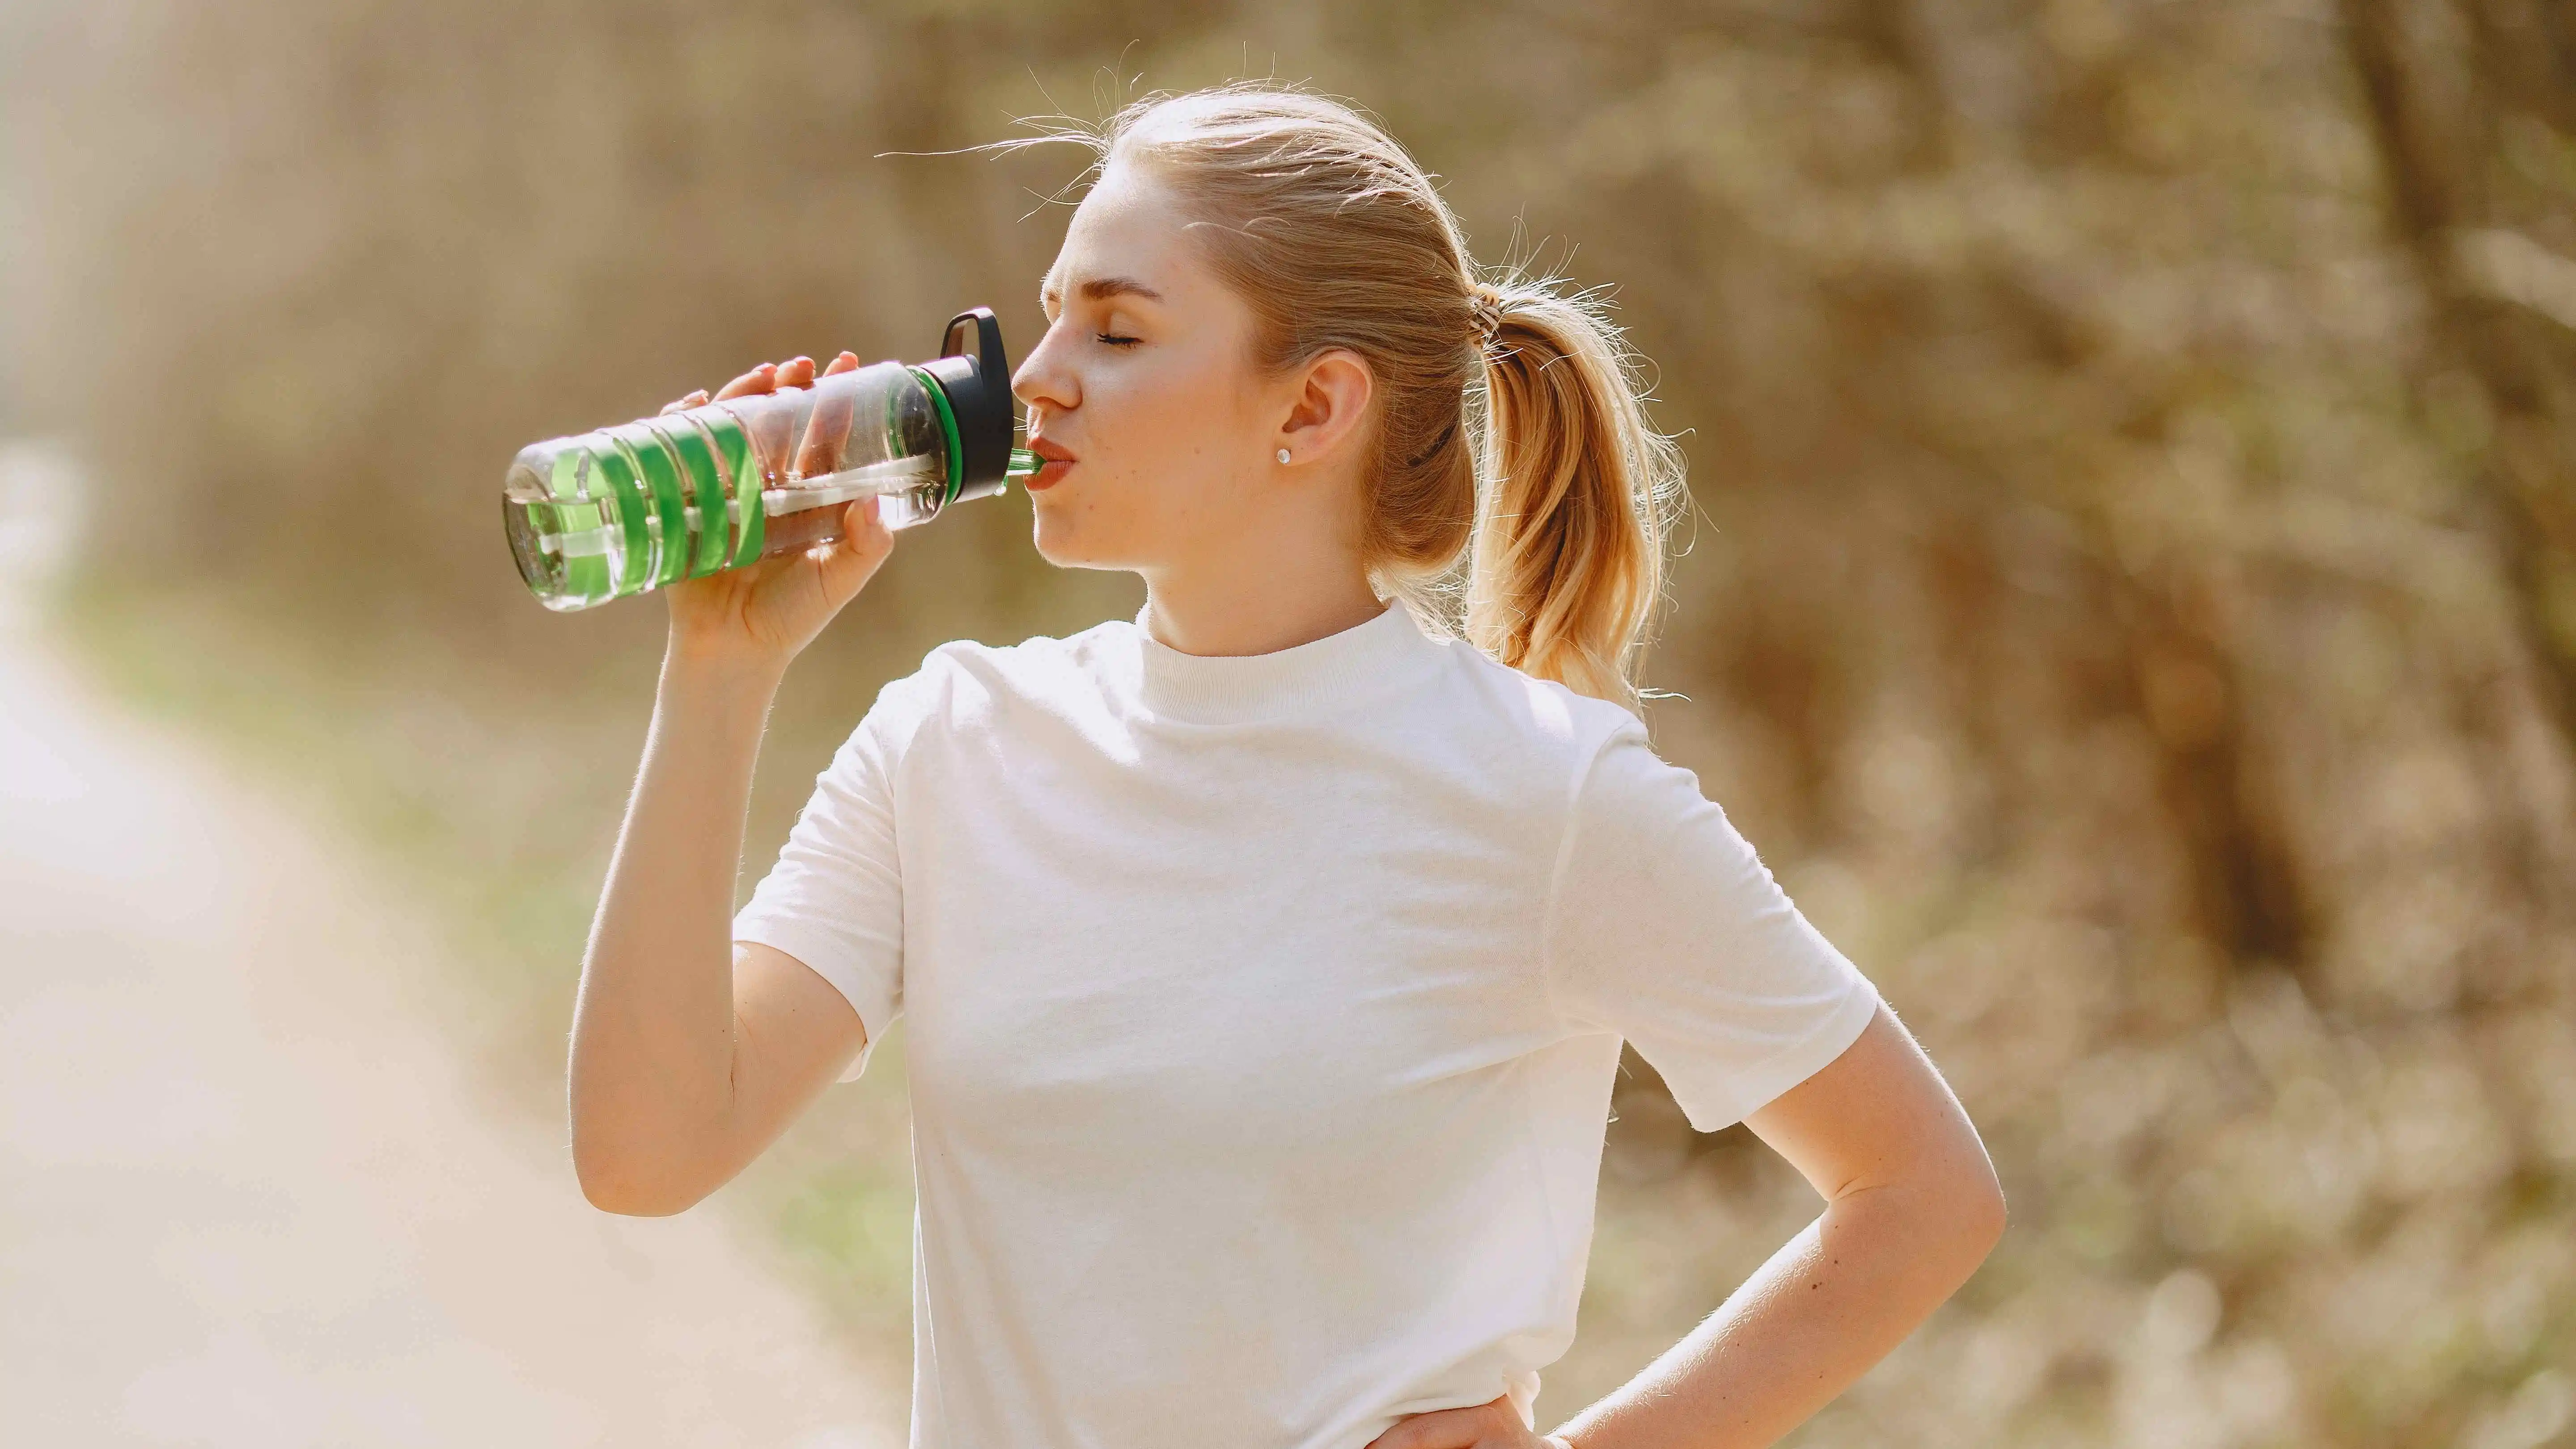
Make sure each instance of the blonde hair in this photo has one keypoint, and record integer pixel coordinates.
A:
(1336, 238)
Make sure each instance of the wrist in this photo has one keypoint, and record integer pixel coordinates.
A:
(727, 671)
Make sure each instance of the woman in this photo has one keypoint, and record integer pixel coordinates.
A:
(1268, 957)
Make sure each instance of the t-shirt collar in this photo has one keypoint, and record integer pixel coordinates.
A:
(1302, 679)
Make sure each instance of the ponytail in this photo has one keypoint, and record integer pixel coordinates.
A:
(1566, 561)
(1510, 423)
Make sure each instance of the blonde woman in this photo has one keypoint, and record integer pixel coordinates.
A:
(1268, 956)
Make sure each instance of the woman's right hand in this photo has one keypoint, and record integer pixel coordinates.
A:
(765, 612)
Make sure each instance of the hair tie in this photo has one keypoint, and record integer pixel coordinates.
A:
(1487, 302)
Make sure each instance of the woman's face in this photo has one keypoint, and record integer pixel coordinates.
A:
(1144, 380)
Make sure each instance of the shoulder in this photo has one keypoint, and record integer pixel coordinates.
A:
(1565, 727)
(964, 680)
(1040, 664)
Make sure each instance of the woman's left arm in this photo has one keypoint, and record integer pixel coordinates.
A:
(1668, 930)
(1911, 1208)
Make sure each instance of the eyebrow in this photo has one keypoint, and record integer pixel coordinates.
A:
(1101, 288)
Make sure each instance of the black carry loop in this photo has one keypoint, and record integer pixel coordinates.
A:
(973, 372)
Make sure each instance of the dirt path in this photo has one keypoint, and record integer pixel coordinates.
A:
(246, 1197)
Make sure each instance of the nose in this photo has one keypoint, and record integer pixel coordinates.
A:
(1042, 378)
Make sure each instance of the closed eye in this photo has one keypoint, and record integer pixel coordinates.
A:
(1112, 339)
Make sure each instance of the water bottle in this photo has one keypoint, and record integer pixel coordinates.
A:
(680, 495)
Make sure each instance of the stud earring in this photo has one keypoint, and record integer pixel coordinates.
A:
(1283, 455)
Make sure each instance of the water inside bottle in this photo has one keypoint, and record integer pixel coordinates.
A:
(622, 511)
(873, 480)
(687, 493)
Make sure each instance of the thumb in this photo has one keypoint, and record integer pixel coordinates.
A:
(1440, 1429)
(850, 560)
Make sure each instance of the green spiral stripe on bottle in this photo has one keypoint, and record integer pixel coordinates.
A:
(661, 475)
(706, 489)
(614, 478)
(635, 501)
(585, 575)
(948, 426)
(742, 465)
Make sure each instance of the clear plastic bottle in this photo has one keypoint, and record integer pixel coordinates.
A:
(679, 495)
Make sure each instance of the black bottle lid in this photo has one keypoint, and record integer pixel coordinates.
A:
(975, 373)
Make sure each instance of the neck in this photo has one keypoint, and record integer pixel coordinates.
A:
(1258, 607)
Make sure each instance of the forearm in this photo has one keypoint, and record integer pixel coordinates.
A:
(1833, 1301)
(653, 1028)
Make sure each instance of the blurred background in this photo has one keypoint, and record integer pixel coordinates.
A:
(2130, 596)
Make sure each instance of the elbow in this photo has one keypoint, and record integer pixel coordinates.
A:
(1958, 1218)
(620, 1182)
(632, 1158)
(1972, 1199)
(1992, 1217)
(1951, 1226)
(1951, 1221)
(1980, 1216)
(618, 1193)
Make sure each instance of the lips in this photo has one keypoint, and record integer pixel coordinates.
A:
(1058, 463)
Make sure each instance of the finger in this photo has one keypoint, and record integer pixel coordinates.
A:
(827, 431)
(771, 430)
(773, 441)
(849, 561)
(778, 432)
(1413, 1431)
(843, 363)
(760, 379)
(1447, 1433)
(682, 405)
(863, 523)
(1463, 1428)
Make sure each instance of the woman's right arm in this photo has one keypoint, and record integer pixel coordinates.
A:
(691, 1053)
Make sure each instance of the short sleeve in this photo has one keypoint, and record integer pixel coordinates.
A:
(834, 900)
(1666, 928)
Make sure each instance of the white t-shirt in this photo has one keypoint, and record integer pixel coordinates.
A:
(1265, 1011)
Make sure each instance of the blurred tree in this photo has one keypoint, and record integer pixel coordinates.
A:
(2132, 602)
(2473, 105)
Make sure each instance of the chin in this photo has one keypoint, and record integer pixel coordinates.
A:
(1049, 549)
(1062, 542)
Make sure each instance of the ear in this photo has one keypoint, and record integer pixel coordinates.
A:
(1327, 403)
